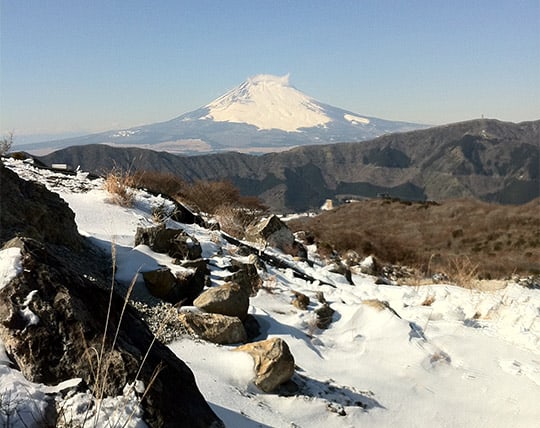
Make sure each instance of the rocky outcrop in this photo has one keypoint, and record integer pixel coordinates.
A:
(273, 232)
(227, 299)
(274, 363)
(53, 316)
(215, 328)
(29, 209)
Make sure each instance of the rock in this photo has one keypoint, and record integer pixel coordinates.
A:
(252, 326)
(324, 316)
(370, 266)
(215, 328)
(300, 301)
(245, 275)
(160, 283)
(227, 299)
(351, 258)
(274, 363)
(158, 238)
(342, 269)
(69, 301)
(320, 297)
(274, 232)
(185, 247)
(183, 287)
(176, 243)
(29, 209)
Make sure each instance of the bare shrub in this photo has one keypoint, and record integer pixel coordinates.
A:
(462, 271)
(120, 185)
(161, 182)
(234, 220)
(208, 196)
(6, 143)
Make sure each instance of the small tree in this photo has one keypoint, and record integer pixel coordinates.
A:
(6, 143)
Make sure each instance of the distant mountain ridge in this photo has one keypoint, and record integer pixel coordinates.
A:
(263, 114)
(485, 159)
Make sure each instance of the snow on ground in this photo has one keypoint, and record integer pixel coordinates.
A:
(427, 356)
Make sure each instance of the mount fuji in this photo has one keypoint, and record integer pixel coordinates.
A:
(263, 114)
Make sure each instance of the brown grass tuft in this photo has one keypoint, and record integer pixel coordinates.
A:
(120, 185)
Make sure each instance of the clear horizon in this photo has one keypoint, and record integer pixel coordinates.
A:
(74, 67)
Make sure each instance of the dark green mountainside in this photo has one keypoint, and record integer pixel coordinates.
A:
(485, 159)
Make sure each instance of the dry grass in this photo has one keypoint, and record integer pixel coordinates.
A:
(234, 220)
(219, 198)
(466, 239)
(120, 185)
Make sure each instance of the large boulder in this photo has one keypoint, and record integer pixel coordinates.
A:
(245, 275)
(215, 328)
(52, 318)
(29, 209)
(274, 363)
(180, 287)
(227, 299)
(273, 232)
(174, 242)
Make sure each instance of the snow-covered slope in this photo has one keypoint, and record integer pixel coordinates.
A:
(264, 113)
(430, 356)
(268, 102)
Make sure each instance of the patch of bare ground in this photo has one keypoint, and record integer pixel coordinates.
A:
(461, 238)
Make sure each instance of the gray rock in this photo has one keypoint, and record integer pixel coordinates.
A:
(274, 232)
(215, 328)
(227, 299)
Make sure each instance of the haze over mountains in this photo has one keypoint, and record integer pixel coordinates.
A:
(486, 159)
(263, 114)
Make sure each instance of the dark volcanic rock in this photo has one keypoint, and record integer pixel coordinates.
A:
(163, 284)
(71, 311)
(174, 242)
(29, 209)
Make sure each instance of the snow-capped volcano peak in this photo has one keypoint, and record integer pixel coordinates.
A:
(268, 102)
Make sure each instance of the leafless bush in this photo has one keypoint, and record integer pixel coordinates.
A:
(234, 220)
(6, 143)
(160, 182)
(120, 185)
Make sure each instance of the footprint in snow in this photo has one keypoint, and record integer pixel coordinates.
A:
(517, 368)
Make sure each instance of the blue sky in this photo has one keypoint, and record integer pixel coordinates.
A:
(74, 66)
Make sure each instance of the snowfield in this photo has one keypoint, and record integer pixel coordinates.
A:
(427, 356)
(278, 105)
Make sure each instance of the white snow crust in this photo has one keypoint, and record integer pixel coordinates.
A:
(10, 265)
